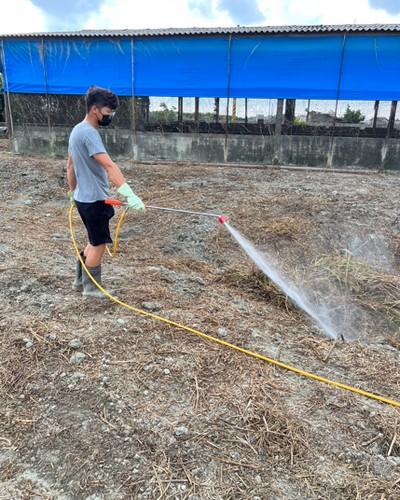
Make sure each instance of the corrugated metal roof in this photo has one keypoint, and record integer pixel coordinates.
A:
(251, 30)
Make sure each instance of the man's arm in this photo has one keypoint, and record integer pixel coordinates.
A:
(116, 177)
(113, 172)
(71, 174)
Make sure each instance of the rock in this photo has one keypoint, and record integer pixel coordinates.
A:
(199, 280)
(222, 332)
(75, 344)
(255, 333)
(394, 461)
(151, 306)
(181, 431)
(77, 358)
(105, 382)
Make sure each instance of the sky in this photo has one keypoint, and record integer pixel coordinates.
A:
(29, 16)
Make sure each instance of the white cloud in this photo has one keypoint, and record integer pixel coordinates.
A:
(290, 12)
(21, 16)
(139, 14)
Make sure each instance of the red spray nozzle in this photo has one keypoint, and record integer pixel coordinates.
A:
(221, 219)
(114, 202)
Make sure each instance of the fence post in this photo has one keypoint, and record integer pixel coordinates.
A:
(389, 132)
(227, 100)
(47, 94)
(7, 100)
(180, 114)
(216, 109)
(376, 110)
(392, 116)
(133, 104)
(279, 117)
(332, 140)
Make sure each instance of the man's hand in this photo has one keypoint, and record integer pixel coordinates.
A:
(71, 197)
(133, 200)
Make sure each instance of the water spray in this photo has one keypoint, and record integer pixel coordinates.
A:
(284, 284)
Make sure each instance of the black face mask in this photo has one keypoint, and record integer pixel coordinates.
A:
(106, 120)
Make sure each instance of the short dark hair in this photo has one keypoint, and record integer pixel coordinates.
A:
(101, 97)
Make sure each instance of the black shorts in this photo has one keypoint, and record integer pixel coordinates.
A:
(96, 217)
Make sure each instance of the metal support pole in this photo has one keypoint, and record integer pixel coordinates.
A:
(227, 100)
(376, 110)
(332, 140)
(45, 87)
(216, 109)
(180, 113)
(133, 102)
(392, 117)
(8, 110)
(196, 110)
(279, 117)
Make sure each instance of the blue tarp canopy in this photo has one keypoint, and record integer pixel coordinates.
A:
(352, 67)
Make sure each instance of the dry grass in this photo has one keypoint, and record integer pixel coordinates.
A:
(156, 412)
(375, 292)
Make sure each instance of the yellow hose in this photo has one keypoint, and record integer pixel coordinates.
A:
(121, 219)
(213, 339)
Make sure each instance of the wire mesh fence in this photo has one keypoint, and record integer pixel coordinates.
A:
(215, 115)
(2, 109)
(2, 103)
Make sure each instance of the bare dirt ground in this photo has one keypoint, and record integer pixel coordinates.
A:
(100, 402)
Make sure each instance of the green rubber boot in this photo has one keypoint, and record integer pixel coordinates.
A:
(77, 284)
(89, 288)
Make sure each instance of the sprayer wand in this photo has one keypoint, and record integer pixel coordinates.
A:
(221, 218)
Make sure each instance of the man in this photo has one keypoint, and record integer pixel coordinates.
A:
(89, 171)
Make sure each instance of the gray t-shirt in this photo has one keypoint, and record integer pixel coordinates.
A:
(91, 178)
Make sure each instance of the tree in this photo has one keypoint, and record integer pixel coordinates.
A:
(165, 115)
(353, 115)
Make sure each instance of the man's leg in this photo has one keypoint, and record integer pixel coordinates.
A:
(96, 218)
(77, 284)
(93, 256)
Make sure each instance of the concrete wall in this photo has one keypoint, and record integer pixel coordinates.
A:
(295, 150)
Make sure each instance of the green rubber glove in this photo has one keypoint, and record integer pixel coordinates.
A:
(134, 201)
(71, 197)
